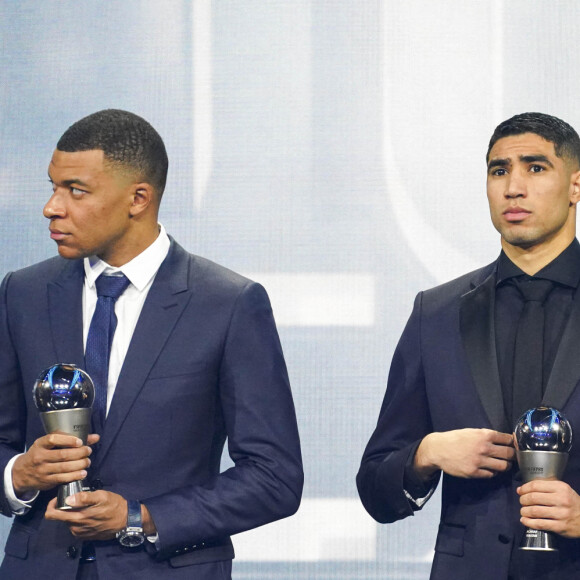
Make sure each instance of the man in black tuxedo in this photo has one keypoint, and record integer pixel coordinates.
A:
(195, 359)
(475, 354)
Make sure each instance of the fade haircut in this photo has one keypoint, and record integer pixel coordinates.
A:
(126, 140)
(563, 136)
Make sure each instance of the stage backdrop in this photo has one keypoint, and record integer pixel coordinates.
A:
(331, 149)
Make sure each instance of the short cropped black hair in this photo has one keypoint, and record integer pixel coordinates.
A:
(125, 139)
(563, 136)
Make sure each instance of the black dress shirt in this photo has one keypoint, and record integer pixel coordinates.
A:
(564, 273)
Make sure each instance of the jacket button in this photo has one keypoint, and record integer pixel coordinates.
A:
(96, 484)
(71, 552)
(503, 539)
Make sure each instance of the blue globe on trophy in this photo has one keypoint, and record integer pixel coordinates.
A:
(543, 438)
(63, 386)
(64, 395)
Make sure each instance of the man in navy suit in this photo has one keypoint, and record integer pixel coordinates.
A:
(454, 390)
(195, 360)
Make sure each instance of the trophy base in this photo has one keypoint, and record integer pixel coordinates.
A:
(65, 490)
(539, 540)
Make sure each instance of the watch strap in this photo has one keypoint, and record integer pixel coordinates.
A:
(134, 519)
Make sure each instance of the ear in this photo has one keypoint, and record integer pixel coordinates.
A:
(143, 197)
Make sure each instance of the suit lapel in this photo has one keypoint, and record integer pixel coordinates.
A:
(65, 313)
(477, 310)
(566, 370)
(167, 298)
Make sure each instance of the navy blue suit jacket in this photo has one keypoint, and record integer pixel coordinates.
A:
(444, 376)
(204, 364)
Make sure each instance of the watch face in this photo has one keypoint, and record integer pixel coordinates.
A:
(130, 539)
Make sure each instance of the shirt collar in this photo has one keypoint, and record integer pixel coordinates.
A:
(140, 270)
(565, 269)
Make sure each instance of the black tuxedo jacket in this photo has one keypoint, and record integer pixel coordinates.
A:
(204, 364)
(444, 376)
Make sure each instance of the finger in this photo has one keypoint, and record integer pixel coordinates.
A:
(546, 524)
(483, 473)
(62, 478)
(55, 440)
(505, 439)
(83, 499)
(65, 456)
(542, 486)
(70, 467)
(536, 498)
(93, 438)
(503, 452)
(62, 472)
(541, 512)
(495, 465)
(55, 514)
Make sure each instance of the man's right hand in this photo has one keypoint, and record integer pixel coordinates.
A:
(468, 453)
(51, 460)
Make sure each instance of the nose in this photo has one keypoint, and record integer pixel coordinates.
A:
(516, 186)
(54, 206)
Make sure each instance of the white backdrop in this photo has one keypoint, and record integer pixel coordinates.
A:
(331, 149)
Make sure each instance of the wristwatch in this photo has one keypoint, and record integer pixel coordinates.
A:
(132, 536)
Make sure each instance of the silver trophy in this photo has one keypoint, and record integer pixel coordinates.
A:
(64, 395)
(543, 440)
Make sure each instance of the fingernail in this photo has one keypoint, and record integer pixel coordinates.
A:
(71, 500)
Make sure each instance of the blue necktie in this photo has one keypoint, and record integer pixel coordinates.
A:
(99, 340)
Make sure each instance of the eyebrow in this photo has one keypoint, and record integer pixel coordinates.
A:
(524, 158)
(69, 182)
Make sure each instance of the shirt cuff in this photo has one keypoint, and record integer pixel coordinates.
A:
(419, 502)
(417, 491)
(154, 540)
(19, 506)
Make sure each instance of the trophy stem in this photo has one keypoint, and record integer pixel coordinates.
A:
(65, 490)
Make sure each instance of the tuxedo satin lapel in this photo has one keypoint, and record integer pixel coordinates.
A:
(566, 370)
(163, 307)
(478, 334)
(65, 311)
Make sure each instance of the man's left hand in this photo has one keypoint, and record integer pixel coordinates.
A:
(551, 506)
(96, 515)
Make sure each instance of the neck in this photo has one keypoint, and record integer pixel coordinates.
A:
(143, 237)
(532, 259)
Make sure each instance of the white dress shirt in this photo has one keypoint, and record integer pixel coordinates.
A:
(141, 272)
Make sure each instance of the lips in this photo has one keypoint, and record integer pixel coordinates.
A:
(516, 214)
(57, 235)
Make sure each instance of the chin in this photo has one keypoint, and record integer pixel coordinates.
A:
(527, 241)
(69, 253)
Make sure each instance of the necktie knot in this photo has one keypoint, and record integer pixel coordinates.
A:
(111, 286)
(534, 289)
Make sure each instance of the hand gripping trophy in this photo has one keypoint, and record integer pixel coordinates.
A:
(64, 395)
(543, 440)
